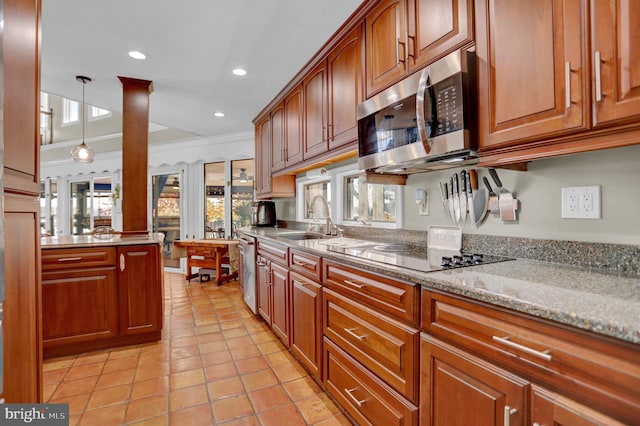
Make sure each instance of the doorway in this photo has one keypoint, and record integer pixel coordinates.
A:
(166, 211)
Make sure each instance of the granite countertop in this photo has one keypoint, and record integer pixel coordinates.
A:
(72, 241)
(596, 301)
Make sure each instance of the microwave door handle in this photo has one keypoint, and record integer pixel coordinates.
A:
(422, 128)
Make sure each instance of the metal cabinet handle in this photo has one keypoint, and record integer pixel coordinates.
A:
(354, 284)
(69, 259)
(567, 82)
(350, 331)
(359, 402)
(122, 262)
(506, 341)
(412, 51)
(301, 263)
(401, 58)
(260, 263)
(508, 412)
(596, 62)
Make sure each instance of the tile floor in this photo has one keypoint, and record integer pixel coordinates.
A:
(216, 364)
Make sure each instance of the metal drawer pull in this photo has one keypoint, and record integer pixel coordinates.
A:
(353, 398)
(508, 411)
(301, 263)
(567, 81)
(350, 331)
(121, 262)
(597, 62)
(69, 259)
(259, 263)
(505, 340)
(354, 284)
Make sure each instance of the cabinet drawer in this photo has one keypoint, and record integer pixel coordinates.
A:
(306, 264)
(397, 298)
(200, 251)
(59, 259)
(596, 371)
(274, 251)
(364, 396)
(384, 345)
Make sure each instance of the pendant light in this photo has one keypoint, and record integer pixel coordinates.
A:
(82, 153)
(243, 176)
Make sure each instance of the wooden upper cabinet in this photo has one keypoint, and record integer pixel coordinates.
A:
(386, 44)
(345, 85)
(277, 137)
(263, 156)
(436, 27)
(315, 111)
(293, 109)
(615, 29)
(531, 70)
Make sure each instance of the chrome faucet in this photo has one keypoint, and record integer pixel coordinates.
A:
(329, 225)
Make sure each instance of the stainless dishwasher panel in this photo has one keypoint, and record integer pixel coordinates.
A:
(248, 275)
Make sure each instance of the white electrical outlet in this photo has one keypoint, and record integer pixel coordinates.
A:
(581, 202)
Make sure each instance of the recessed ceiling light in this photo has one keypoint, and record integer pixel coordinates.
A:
(137, 55)
(239, 71)
(219, 114)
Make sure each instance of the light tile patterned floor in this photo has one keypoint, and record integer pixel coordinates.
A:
(216, 364)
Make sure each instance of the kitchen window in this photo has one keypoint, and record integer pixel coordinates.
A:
(70, 111)
(96, 113)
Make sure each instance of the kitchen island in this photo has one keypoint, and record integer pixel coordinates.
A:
(100, 293)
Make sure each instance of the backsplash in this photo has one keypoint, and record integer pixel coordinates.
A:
(620, 259)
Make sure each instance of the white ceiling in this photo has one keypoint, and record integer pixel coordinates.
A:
(191, 48)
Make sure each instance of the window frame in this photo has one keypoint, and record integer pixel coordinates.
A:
(66, 108)
(92, 117)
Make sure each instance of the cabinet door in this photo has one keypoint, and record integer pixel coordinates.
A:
(315, 112)
(67, 317)
(280, 302)
(306, 322)
(459, 389)
(293, 108)
(263, 157)
(532, 72)
(549, 408)
(386, 47)
(345, 89)
(277, 137)
(263, 281)
(615, 29)
(437, 27)
(139, 289)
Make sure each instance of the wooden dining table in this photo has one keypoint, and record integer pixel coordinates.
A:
(209, 254)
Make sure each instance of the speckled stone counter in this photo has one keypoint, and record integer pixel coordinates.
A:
(603, 303)
(69, 241)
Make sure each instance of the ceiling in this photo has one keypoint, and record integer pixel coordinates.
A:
(191, 47)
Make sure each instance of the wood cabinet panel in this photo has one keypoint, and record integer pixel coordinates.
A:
(22, 321)
(345, 85)
(280, 322)
(139, 289)
(68, 318)
(385, 44)
(594, 371)
(278, 137)
(306, 322)
(263, 281)
(460, 389)
(274, 251)
(367, 399)
(436, 27)
(306, 264)
(385, 346)
(294, 134)
(615, 30)
(550, 408)
(263, 157)
(84, 257)
(532, 70)
(315, 112)
(394, 297)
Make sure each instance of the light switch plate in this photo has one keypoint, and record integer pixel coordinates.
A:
(581, 202)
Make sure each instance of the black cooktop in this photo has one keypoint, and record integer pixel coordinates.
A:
(416, 257)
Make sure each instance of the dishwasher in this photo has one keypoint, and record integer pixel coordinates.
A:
(248, 271)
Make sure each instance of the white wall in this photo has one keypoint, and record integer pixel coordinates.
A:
(617, 171)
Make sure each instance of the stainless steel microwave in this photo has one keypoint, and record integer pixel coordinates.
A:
(425, 122)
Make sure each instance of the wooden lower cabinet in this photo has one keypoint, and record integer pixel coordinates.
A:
(280, 302)
(460, 389)
(306, 322)
(263, 282)
(366, 398)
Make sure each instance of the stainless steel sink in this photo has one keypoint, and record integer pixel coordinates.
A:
(293, 235)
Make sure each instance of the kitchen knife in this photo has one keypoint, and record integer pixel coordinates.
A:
(444, 194)
(452, 209)
(480, 200)
(456, 197)
(472, 181)
(463, 197)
